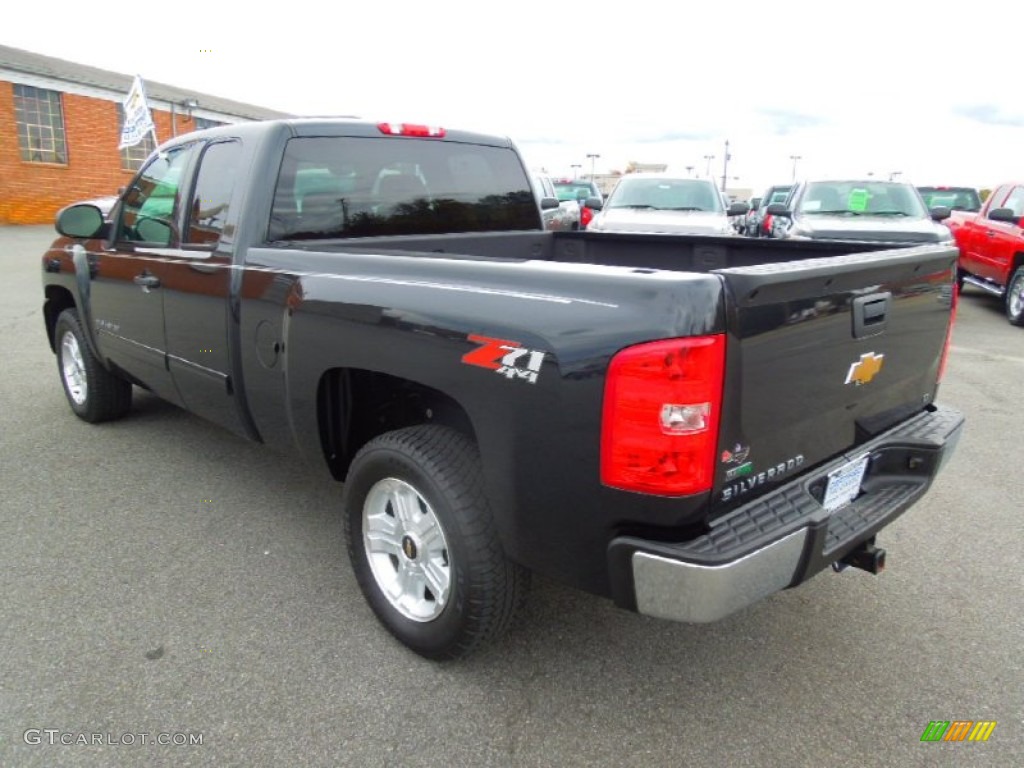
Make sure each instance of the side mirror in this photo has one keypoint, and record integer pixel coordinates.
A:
(594, 203)
(940, 213)
(779, 209)
(82, 220)
(738, 209)
(548, 203)
(1004, 214)
(154, 230)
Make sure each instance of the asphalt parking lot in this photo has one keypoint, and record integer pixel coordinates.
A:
(160, 576)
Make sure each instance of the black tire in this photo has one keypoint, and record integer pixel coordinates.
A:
(1015, 298)
(485, 589)
(104, 396)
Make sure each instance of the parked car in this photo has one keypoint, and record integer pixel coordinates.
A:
(758, 223)
(954, 198)
(681, 424)
(963, 202)
(991, 244)
(745, 221)
(580, 190)
(660, 203)
(564, 216)
(866, 211)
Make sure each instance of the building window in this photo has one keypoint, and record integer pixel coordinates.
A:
(40, 125)
(202, 123)
(132, 158)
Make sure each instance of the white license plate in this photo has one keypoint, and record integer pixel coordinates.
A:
(844, 484)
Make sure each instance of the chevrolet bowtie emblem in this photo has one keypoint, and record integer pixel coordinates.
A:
(865, 369)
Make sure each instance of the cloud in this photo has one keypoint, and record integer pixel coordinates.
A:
(989, 114)
(783, 122)
(669, 136)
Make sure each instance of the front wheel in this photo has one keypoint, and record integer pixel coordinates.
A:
(94, 393)
(423, 543)
(1015, 298)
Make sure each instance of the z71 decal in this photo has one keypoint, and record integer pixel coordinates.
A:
(509, 358)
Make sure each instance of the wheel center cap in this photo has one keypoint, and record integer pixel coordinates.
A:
(409, 547)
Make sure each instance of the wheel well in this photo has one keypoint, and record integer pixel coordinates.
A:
(1018, 262)
(355, 405)
(57, 300)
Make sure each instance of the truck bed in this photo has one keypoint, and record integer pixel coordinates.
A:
(679, 253)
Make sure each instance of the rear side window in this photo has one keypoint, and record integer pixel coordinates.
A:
(334, 187)
(211, 199)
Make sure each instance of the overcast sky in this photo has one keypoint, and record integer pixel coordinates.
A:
(851, 88)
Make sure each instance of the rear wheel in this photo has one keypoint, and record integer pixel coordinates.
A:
(93, 392)
(423, 543)
(1015, 298)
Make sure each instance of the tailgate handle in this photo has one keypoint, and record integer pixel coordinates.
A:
(871, 314)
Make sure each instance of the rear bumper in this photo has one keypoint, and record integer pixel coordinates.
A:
(783, 538)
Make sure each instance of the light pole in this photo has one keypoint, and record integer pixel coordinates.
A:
(593, 159)
(725, 165)
(795, 159)
(707, 171)
(894, 174)
(575, 171)
(689, 170)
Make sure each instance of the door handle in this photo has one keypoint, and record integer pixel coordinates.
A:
(990, 233)
(148, 282)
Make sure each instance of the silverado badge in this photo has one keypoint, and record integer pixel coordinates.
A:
(865, 369)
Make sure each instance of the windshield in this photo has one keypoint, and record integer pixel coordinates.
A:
(861, 198)
(575, 190)
(666, 195)
(957, 198)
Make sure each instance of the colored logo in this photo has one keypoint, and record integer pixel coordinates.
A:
(509, 358)
(958, 730)
(865, 369)
(737, 455)
(741, 471)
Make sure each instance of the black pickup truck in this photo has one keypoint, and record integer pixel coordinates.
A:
(683, 424)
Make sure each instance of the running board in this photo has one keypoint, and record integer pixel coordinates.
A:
(985, 285)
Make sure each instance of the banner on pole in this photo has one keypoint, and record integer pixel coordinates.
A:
(138, 121)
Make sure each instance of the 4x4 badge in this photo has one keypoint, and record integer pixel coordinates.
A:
(865, 369)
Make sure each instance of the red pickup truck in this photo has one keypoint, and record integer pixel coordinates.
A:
(991, 247)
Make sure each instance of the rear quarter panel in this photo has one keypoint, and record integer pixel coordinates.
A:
(412, 317)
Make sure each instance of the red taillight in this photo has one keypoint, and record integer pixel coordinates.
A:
(662, 403)
(408, 129)
(949, 331)
(586, 216)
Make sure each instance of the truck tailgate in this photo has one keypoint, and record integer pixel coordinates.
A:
(822, 354)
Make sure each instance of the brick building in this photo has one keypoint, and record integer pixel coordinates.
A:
(60, 123)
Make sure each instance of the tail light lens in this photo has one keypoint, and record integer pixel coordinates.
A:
(586, 215)
(949, 331)
(662, 403)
